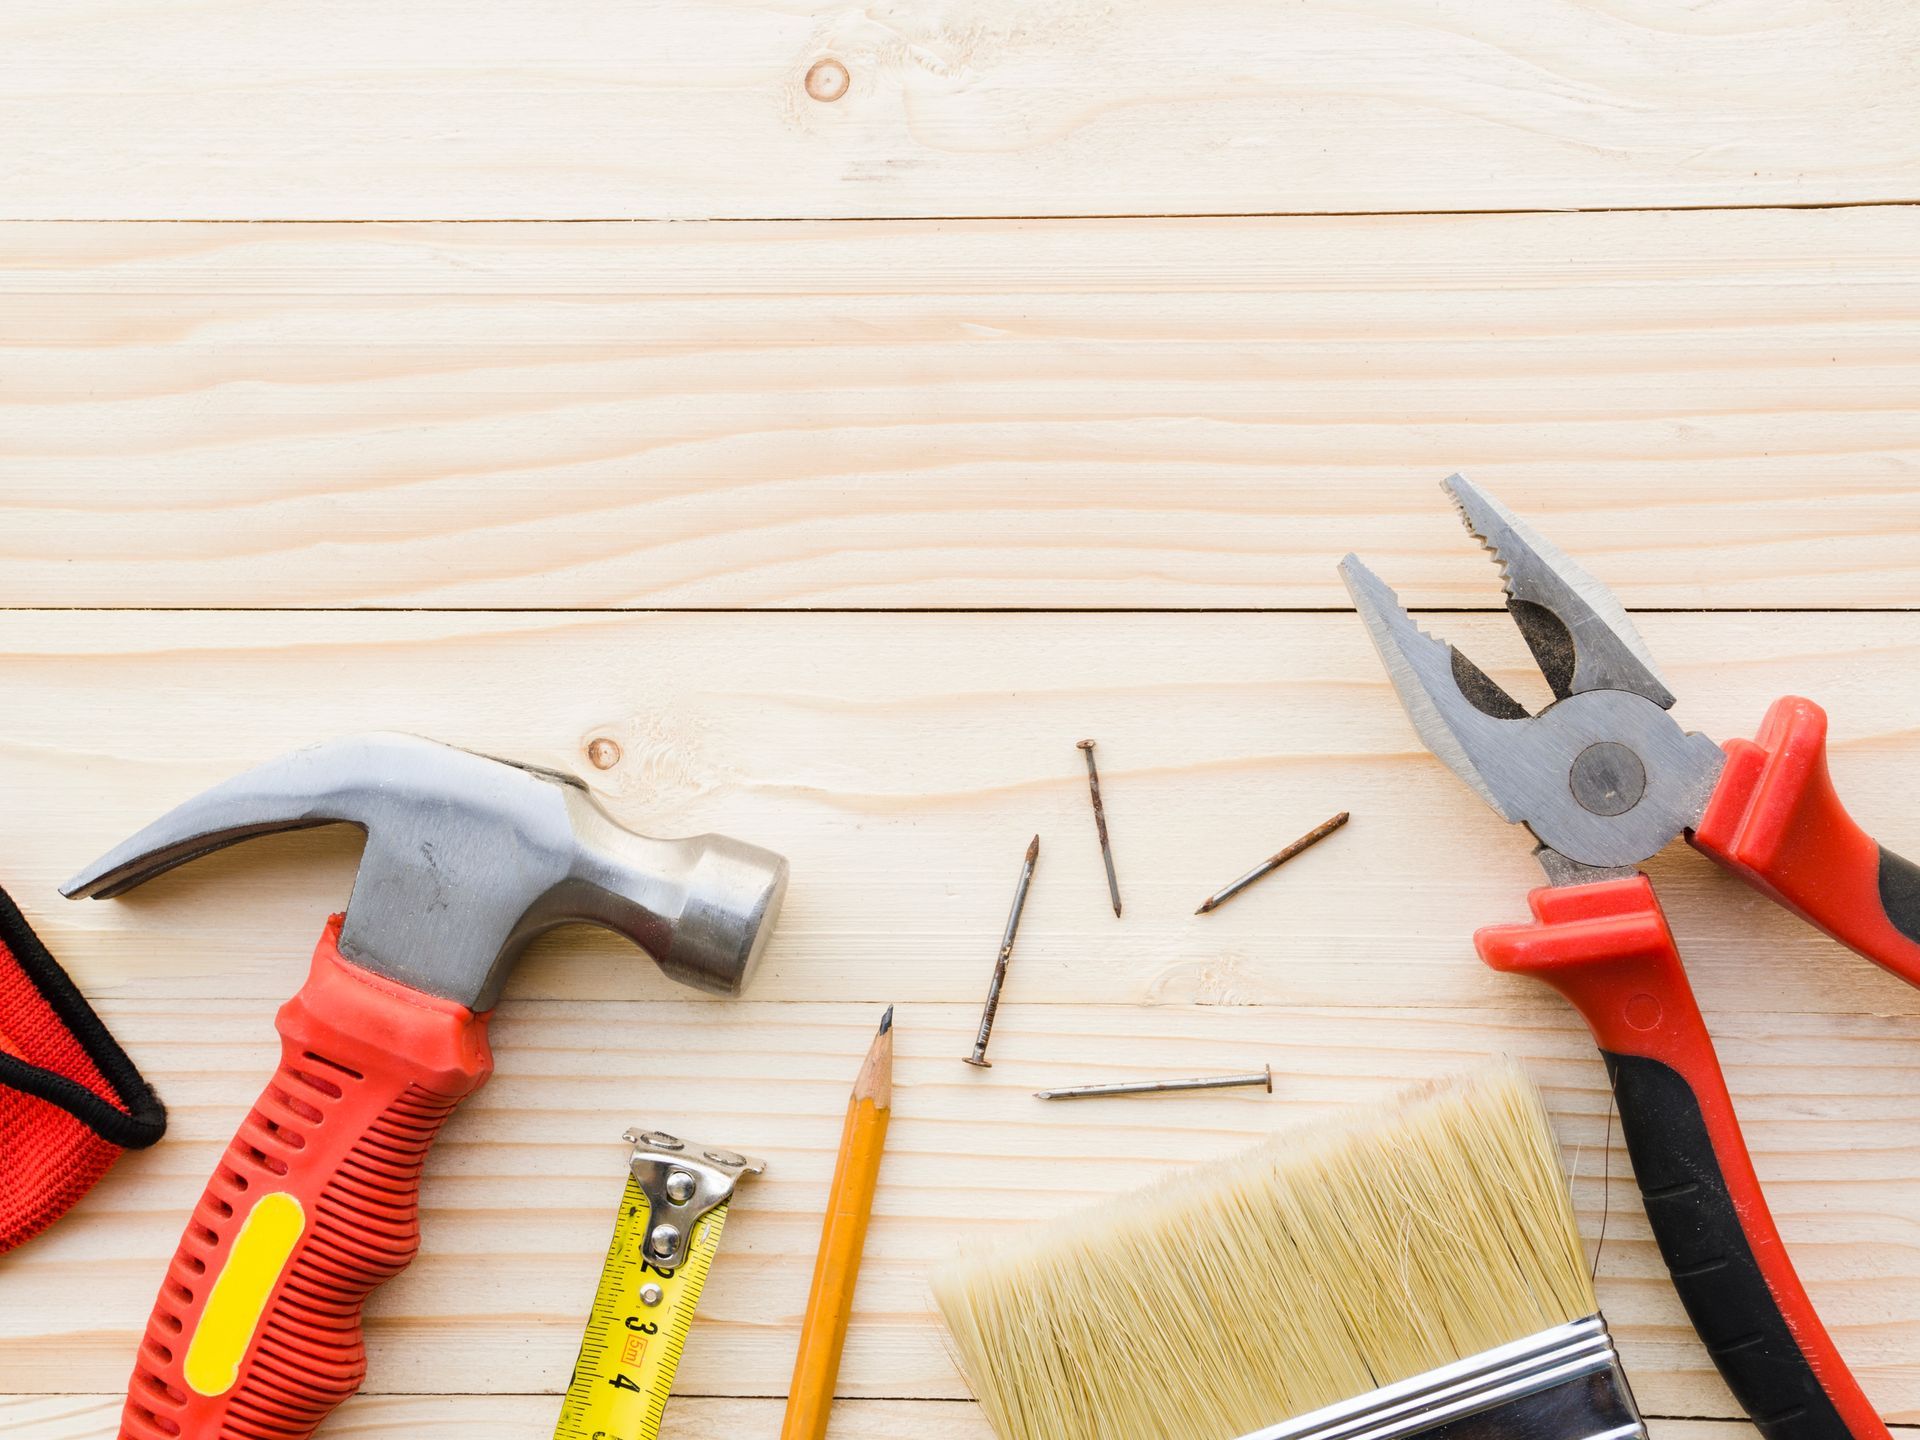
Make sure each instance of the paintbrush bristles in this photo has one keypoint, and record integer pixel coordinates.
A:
(1327, 1262)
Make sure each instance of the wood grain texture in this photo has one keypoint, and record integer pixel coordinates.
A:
(519, 1417)
(1714, 409)
(700, 109)
(903, 760)
(520, 1192)
(522, 426)
(515, 1417)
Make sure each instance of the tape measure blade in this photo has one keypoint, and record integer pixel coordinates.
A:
(631, 1350)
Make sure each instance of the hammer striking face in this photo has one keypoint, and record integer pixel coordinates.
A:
(257, 1330)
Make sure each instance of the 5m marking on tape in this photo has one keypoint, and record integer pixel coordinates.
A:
(665, 1238)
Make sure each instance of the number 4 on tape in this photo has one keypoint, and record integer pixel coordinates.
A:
(664, 1241)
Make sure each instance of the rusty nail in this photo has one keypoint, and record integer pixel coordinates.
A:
(1261, 1078)
(979, 1056)
(1100, 824)
(1273, 862)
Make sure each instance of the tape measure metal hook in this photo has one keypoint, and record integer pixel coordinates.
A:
(664, 1241)
(682, 1183)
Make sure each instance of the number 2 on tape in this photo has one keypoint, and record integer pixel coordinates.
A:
(665, 1237)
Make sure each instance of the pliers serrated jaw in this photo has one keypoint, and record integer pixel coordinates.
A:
(1603, 777)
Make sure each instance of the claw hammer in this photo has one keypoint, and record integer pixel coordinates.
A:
(256, 1334)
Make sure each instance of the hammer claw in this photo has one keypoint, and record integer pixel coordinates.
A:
(469, 858)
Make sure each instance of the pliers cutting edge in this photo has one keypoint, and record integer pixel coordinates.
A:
(1605, 778)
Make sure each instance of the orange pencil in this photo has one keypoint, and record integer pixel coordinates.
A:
(823, 1334)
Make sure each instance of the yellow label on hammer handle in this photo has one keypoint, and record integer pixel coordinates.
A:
(220, 1341)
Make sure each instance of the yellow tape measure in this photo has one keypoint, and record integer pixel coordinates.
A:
(664, 1241)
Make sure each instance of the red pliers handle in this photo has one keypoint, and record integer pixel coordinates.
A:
(1604, 778)
(1775, 820)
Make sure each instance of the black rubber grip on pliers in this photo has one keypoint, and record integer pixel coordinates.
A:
(1697, 1226)
(1900, 893)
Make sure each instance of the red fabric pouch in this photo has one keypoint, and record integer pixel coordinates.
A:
(70, 1099)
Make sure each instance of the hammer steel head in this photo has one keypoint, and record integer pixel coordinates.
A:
(469, 858)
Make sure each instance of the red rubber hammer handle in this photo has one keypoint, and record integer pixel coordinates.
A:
(1775, 820)
(1607, 948)
(256, 1333)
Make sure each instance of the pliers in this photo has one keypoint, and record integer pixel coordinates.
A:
(1605, 778)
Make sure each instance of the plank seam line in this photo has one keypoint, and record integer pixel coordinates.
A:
(584, 610)
(109, 1396)
(938, 219)
(1443, 1009)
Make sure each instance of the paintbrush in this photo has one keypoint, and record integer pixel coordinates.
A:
(1399, 1272)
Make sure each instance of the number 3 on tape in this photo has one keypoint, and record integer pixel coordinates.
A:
(664, 1241)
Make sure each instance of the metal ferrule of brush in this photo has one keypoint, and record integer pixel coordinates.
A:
(1561, 1384)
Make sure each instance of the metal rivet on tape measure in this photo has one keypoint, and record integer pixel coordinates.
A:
(651, 1282)
(681, 1188)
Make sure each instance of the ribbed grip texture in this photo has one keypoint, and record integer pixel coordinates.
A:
(368, 1075)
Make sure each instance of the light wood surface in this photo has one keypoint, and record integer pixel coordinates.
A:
(320, 109)
(496, 1299)
(515, 1417)
(845, 532)
(903, 760)
(1722, 408)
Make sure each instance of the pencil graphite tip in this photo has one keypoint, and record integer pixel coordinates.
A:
(1205, 906)
(1033, 850)
(886, 1021)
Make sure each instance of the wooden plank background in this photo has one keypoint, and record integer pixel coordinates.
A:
(1162, 413)
(689, 109)
(1028, 391)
